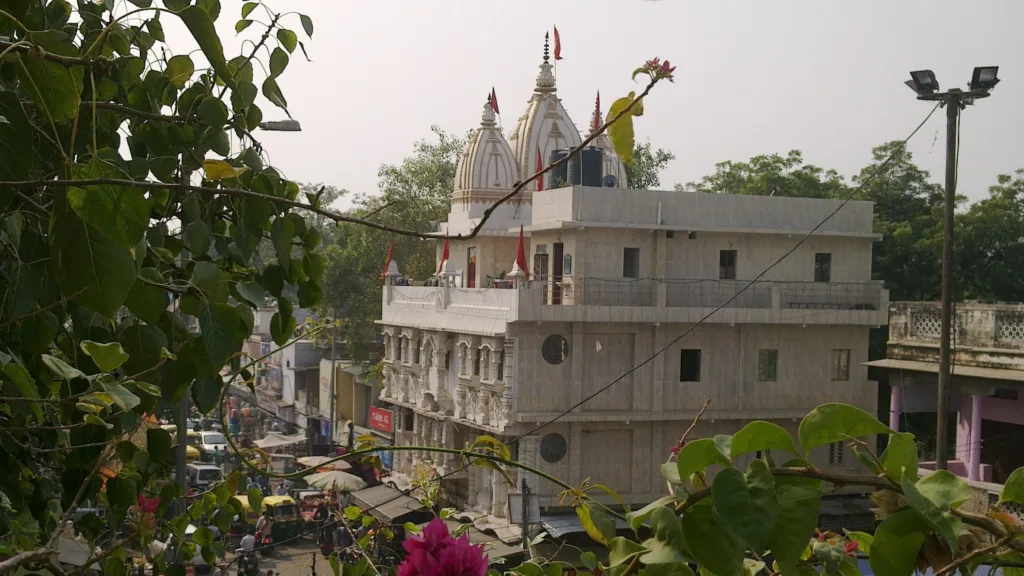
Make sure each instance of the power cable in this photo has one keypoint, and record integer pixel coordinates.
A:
(750, 283)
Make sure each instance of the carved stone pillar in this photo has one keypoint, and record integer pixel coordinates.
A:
(471, 490)
(484, 413)
(497, 497)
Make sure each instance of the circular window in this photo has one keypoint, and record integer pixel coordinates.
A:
(552, 447)
(555, 349)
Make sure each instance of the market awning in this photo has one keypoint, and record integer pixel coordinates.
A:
(274, 439)
(558, 525)
(493, 547)
(386, 503)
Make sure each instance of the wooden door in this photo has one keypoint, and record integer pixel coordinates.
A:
(556, 273)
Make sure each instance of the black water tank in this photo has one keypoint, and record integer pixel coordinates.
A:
(587, 168)
(559, 176)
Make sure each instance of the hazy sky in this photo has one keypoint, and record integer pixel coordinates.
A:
(753, 77)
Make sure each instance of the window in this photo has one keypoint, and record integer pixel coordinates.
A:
(485, 353)
(416, 354)
(407, 420)
(758, 455)
(727, 264)
(835, 453)
(767, 365)
(840, 365)
(448, 360)
(476, 363)
(501, 367)
(630, 262)
(823, 267)
(401, 344)
(689, 365)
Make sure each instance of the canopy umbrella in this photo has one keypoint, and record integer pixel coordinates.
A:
(336, 480)
(319, 462)
(274, 440)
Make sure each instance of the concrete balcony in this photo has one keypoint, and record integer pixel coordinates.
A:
(487, 311)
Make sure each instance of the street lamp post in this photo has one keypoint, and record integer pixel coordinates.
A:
(924, 83)
(281, 126)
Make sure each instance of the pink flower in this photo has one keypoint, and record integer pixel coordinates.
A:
(850, 548)
(666, 68)
(149, 505)
(436, 553)
(654, 62)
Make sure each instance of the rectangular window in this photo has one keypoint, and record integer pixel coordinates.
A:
(758, 455)
(727, 264)
(630, 262)
(835, 453)
(476, 363)
(448, 360)
(823, 267)
(840, 365)
(501, 367)
(689, 365)
(767, 365)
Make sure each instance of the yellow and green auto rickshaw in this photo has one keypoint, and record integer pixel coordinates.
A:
(285, 511)
(244, 523)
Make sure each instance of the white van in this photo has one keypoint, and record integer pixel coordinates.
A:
(204, 476)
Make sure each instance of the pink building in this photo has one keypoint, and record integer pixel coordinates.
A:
(988, 380)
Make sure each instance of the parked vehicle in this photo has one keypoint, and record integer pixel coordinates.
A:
(286, 516)
(210, 441)
(308, 502)
(203, 476)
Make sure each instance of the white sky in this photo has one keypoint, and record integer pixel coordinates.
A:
(753, 77)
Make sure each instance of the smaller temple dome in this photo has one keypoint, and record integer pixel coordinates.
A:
(487, 169)
(613, 164)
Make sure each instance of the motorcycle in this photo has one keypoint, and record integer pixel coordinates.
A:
(265, 545)
(248, 563)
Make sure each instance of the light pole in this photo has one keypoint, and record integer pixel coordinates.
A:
(281, 126)
(924, 83)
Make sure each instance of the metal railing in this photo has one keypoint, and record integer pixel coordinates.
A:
(580, 291)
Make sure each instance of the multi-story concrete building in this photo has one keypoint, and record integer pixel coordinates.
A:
(988, 377)
(618, 276)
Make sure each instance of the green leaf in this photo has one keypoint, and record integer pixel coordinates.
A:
(589, 559)
(863, 540)
(799, 500)
(155, 28)
(252, 293)
(220, 331)
(211, 280)
(273, 93)
(938, 516)
(897, 542)
(213, 112)
(218, 169)
(26, 386)
(707, 540)
(242, 25)
(106, 356)
(670, 472)
(158, 444)
(637, 518)
(667, 545)
(278, 62)
(834, 422)
(16, 154)
(309, 294)
(746, 504)
(179, 70)
(697, 455)
(202, 29)
(1013, 489)
(206, 392)
(145, 300)
(38, 332)
(900, 454)
(620, 551)
(759, 435)
(677, 569)
(621, 132)
(212, 7)
(947, 490)
(122, 213)
(143, 344)
(248, 7)
(307, 24)
(198, 235)
(124, 399)
(255, 497)
(597, 522)
(97, 421)
(55, 88)
(61, 369)
(281, 233)
(288, 39)
(335, 564)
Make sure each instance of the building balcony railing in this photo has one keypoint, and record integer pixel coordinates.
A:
(638, 299)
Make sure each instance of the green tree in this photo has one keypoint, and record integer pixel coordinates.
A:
(990, 243)
(412, 194)
(772, 175)
(644, 172)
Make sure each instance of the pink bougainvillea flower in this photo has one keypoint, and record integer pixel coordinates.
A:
(437, 553)
(667, 68)
(149, 505)
(850, 547)
(653, 63)
(674, 450)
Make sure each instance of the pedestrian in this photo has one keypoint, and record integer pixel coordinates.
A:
(351, 435)
(217, 458)
(280, 491)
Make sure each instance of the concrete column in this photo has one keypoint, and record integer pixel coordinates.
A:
(660, 248)
(497, 502)
(974, 464)
(471, 489)
(895, 407)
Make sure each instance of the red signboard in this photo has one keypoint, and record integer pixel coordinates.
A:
(380, 419)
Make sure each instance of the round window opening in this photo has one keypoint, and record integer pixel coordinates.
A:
(555, 349)
(552, 447)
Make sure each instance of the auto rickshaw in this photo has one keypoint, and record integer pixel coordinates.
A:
(309, 500)
(246, 521)
(286, 516)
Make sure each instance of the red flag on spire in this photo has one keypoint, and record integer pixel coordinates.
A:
(558, 45)
(391, 252)
(494, 101)
(540, 166)
(521, 255)
(444, 257)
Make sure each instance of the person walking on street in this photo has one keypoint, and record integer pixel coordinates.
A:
(280, 491)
